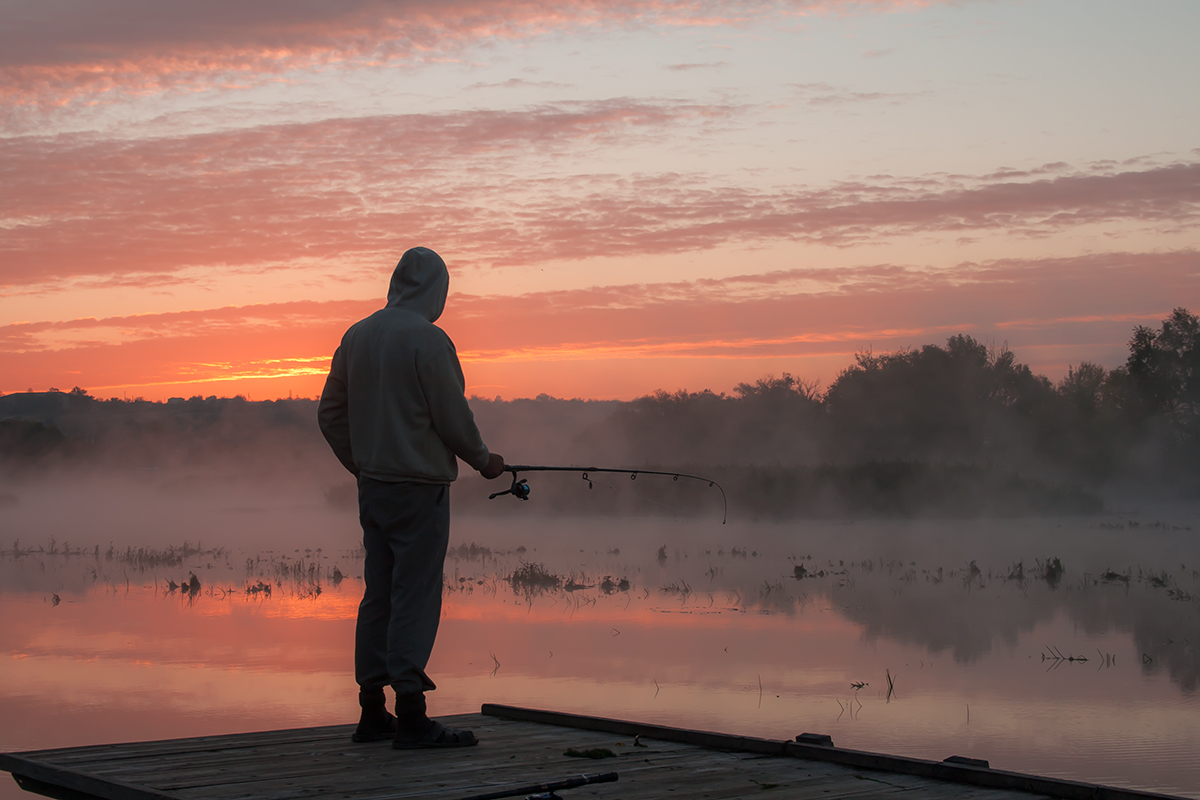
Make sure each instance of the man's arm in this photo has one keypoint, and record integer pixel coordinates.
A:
(445, 391)
(333, 413)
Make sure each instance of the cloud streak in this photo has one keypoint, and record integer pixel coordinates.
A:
(76, 205)
(487, 187)
(56, 52)
(787, 315)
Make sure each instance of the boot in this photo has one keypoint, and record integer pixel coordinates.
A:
(375, 723)
(411, 720)
(414, 729)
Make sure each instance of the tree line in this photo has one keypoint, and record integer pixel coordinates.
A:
(956, 428)
(961, 403)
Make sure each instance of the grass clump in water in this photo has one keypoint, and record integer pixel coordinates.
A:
(532, 576)
(1051, 571)
(469, 552)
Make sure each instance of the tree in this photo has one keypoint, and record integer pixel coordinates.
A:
(958, 402)
(1083, 388)
(1164, 368)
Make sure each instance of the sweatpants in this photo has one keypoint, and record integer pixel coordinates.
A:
(406, 528)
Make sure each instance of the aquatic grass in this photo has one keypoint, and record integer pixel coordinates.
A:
(1156, 581)
(1051, 571)
(1109, 576)
(572, 585)
(258, 589)
(469, 552)
(532, 576)
(142, 558)
(608, 585)
(679, 588)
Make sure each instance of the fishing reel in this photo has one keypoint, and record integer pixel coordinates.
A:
(519, 489)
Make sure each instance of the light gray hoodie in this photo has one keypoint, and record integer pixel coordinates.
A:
(393, 408)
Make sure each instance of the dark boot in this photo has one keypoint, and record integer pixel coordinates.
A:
(375, 724)
(411, 720)
(414, 729)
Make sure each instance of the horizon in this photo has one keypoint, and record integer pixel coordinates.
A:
(820, 387)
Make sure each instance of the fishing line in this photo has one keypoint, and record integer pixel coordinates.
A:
(520, 488)
(641, 496)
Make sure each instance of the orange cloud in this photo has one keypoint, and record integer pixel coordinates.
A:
(629, 340)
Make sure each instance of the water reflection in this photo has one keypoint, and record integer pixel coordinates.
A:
(930, 640)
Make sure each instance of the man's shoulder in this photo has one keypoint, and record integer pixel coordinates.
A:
(390, 322)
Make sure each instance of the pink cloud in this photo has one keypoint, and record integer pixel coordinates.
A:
(77, 205)
(482, 184)
(690, 67)
(55, 51)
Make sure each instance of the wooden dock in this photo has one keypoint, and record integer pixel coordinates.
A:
(519, 748)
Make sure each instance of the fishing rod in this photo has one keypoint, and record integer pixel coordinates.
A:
(549, 789)
(520, 488)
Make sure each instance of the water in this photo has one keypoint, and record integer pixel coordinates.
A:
(973, 622)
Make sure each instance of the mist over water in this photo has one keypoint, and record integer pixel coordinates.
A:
(958, 430)
(979, 565)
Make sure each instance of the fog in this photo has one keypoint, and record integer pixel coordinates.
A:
(953, 431)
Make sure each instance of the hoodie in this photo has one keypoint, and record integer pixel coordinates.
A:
(393, 407)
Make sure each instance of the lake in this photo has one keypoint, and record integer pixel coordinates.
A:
(1064, 646)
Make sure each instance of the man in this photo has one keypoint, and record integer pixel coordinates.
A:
(395, 414)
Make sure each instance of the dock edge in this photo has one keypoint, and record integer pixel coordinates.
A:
(938, 770)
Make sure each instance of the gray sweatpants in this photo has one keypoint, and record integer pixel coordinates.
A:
(406, 528)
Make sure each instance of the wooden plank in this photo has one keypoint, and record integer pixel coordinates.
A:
(406, 765)
(624, 728)
(217, 743)
(674, 764)
(936, 770)
(518, 747)
(42, 773)
(181, 774)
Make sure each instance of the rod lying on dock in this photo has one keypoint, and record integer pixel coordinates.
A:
(547, 788)
(520, 488)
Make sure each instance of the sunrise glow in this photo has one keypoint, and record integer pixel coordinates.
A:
(630, 196)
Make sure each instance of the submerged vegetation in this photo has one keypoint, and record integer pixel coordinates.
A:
(176, 569)
(960, 607)
(531, 577)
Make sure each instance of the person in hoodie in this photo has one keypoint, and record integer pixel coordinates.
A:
(394, 412)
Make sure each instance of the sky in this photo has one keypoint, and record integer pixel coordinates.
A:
(198, 199)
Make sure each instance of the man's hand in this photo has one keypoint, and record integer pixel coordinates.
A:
(494, 468)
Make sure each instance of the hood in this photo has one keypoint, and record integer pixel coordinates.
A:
(420, 283)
